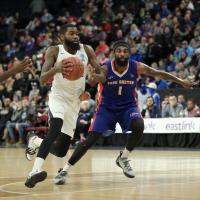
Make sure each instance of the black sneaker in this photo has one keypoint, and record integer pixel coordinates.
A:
(34, 178)
(125, 165)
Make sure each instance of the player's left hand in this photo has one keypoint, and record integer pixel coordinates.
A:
(188, 85)
(20, 66)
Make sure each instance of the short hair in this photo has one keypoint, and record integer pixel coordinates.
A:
(192, 100)
(120, 43)
(64, 28)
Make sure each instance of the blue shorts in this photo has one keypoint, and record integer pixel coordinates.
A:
(105, 119)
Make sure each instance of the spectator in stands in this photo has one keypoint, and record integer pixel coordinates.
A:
(11, 125)
(5, 115)
(46, 17)
(152, 90)
(37, 6)
(170, 65)
(142, 47)
(188, 49)
(34, 94)
(161, 84)
(173, 109)
(28, 116)
(142, 94)
(84, 120)
(185, 59)
(195, 41)
(182, 101)
(192, 110)
(150, 110)
(135, 54)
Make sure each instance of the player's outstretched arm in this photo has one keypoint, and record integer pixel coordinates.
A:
(48, 68)
(18, 66)
(146, 70)
(98, 72)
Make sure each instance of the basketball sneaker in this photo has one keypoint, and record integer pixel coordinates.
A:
(125, 165)
(60, 177)
(31, 147)
(34, 178)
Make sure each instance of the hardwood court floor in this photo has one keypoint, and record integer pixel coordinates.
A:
(160, 175)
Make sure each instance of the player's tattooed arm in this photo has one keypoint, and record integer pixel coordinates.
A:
(49, 69)
(149, 71)
(99, 73)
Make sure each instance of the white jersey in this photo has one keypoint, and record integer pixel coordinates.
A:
(67, 88)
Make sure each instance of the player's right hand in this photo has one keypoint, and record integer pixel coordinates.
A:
(66, 68)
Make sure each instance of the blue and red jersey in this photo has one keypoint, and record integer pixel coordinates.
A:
(119, 89)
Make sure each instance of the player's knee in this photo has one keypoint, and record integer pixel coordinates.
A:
(137, 126)
(60, 147)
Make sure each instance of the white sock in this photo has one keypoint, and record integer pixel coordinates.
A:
(37, 167)
(66, 167)
(125, 153)
(37, 142)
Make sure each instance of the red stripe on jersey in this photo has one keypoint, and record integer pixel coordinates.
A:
(100, 90)
(99, 99)
(92, 124)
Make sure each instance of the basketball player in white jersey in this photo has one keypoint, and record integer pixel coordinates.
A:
(64, 100)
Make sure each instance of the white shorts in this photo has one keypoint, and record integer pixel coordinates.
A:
(65, 109)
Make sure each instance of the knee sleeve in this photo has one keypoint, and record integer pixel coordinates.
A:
(54, 130)
(61, 145)
(137, 128)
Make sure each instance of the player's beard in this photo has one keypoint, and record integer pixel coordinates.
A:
(120, 62)
(74, 46)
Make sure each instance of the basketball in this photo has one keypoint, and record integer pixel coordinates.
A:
(74, 70)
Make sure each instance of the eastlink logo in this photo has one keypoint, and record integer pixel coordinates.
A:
(180, 126)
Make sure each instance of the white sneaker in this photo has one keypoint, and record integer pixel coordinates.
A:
(125, 165)
(60, 177)
(31, 147)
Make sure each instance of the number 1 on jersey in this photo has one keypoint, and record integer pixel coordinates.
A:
(120, 90)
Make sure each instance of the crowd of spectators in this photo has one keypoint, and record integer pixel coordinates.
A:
(162, 34)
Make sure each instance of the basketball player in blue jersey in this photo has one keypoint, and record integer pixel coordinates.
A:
(18, 66)
(64, 100)
(117, 103)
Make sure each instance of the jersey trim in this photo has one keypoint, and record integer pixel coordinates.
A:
(115, 72)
